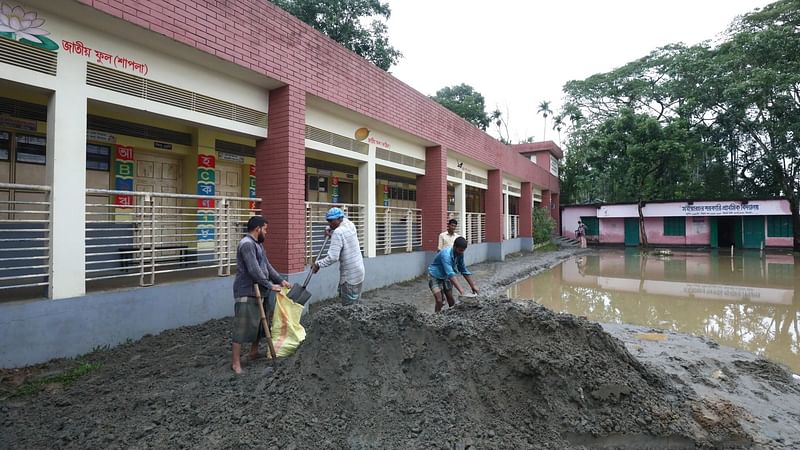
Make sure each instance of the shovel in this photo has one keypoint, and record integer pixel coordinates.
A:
(299, 294)
(264, 324)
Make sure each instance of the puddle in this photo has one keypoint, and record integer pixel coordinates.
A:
(747, 301)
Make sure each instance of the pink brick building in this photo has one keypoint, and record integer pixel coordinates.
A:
(149, 130)
(749, 224)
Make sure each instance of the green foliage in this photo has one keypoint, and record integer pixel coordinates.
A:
(545, 111)
(65, 379)
(468, 103)
(543, 225)
(711, 120)
(345, 21)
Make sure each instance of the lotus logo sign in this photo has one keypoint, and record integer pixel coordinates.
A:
(24, 26)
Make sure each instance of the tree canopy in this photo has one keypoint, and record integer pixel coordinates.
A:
(712, 120)
(359, 25)
(468, 103)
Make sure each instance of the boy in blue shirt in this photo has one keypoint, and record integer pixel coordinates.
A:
(443, 273)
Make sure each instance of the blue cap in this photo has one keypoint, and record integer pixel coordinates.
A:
(334, 213)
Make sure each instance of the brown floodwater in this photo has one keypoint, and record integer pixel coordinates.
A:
(746, 301)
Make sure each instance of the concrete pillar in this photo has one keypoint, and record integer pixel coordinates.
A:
(526, 210)
(367, 197)
(461, 206)
(506, 218)
(555, 210)
(66, 176)
(545, 199)
(432, 196)
(494, 207)
(280, 178)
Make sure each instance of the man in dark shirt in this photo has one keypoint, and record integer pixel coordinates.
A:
(252, 267)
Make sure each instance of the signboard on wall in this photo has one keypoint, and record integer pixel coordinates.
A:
(685, 209)
(123, 175)
(335, 189)
(754, 208)
(206, 186)
(252, 187)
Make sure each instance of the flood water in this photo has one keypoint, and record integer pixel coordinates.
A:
(747, 301)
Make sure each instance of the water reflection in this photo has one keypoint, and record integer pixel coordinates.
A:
(746, 301)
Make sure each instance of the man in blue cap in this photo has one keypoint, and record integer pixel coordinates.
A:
(345, 249)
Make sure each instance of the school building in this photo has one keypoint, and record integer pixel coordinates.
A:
(743, 224)
(137, 137)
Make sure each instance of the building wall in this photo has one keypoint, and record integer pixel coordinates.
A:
(570, 217)
(697, 225)
(612, 231)
(698, 231)
(283, 48)
(779, 241)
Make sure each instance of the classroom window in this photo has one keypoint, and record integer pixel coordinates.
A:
(779, 226)
(98, 157)
(674, 226)
(31, 149)
(5, 145)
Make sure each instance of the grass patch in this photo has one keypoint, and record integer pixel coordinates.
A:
(547, 247)
(65, 379)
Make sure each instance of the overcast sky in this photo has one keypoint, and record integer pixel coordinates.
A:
(520, 52)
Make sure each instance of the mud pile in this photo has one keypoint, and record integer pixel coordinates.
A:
(490, 374)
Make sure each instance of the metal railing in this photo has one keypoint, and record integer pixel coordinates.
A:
(398, 228)
(475, 227)
(513, 226)
(158, 233)
(316, 224)
(24, 236)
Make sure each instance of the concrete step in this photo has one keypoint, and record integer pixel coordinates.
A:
(565, 241)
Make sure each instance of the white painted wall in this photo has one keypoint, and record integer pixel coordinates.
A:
(319, 118)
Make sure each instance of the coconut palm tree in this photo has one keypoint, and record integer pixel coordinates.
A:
(558, 124)
(544, 109)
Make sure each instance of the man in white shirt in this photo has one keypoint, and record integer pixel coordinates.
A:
(448, 238)
(346, 250)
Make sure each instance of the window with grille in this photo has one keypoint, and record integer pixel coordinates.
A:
(779, 226)
(674, 226)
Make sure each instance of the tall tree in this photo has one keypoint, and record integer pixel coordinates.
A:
(359, 25)
(737, 102)
(558, 125)
(746, 93)
(465, 101)
(544, 110)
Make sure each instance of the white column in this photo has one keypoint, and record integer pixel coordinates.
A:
(461, 206)
(66, 175)
(506, 219)
(366, 196)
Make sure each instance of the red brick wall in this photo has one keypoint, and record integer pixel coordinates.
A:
(259, 36)
(494, 207)
(432, 196)
(526, 211)
(555, 210)
(280, 171)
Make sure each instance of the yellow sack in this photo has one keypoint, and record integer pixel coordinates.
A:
(287, 333)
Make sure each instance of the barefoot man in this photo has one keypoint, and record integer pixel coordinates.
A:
(443, 274)
(252, 267)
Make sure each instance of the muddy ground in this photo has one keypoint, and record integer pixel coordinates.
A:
(490, 373)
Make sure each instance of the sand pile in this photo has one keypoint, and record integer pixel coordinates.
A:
(492, 374)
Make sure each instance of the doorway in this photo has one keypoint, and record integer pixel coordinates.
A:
(726, 231)
(631, 231)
